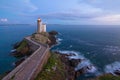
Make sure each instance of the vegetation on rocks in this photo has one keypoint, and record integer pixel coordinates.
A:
(22, 49)
(45, 37)
(108, 77)
(53, 70)
(22, 45)
(41, 37)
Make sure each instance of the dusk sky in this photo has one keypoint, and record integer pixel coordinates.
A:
(60, 11)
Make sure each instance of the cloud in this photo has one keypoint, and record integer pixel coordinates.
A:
(79, 11)
(18, 6)
(66, 16)
(86, 8)
(83, 13)
(3, 20)
(111, 19)
(107, 5)
(30, 5)
(108, 19)
(90, 1)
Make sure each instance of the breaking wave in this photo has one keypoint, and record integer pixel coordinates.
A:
(85, 64)
(111, 68)
(59, 39)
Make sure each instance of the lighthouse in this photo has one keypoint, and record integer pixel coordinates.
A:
(40, 26)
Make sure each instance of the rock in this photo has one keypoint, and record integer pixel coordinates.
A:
(17, 54)
(53, 32)
(74, 62)
(52, 39)
(16, 45)
(54, 68)
(24, 52)
(78, 73)
(70, 65)
(117, 72)
(19, 61)
(21, 49)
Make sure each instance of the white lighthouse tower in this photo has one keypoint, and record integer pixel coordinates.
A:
(40, 26)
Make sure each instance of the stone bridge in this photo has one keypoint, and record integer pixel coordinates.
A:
(29, 68)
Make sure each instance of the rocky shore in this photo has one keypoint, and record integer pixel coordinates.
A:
(72, 74)
(69, 65)
(22, 51)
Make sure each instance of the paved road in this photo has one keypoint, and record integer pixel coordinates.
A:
(27, 69)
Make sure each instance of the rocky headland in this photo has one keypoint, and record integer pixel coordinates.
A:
(59, 66)
(21, 50)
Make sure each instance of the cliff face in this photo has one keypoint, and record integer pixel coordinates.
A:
(52, 38)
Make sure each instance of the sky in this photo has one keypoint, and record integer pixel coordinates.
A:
(83, 12)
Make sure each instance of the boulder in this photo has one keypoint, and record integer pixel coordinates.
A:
(117, 72)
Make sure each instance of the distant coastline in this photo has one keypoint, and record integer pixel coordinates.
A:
(12, 24)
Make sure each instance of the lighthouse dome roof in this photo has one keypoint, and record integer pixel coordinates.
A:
(39, 19)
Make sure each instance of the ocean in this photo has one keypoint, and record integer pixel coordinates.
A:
(97, 45)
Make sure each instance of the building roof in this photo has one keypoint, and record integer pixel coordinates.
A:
(39, 19)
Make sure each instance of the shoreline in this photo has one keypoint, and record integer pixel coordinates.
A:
(71, 64)
(22, 51)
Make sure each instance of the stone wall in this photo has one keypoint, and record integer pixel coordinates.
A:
(40, 66)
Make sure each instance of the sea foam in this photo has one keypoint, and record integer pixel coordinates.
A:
(59, 39)
(111, 68)
(84, 64)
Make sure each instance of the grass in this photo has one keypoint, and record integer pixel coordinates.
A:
(109, 77)
(22, 45)
(42, 37)
(53, 70)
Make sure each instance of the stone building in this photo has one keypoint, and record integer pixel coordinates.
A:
(40, 26)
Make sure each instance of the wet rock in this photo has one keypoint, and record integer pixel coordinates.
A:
(53, 33)
(19, 62)
(78, 73)
(16, 45)
(24, 52)
(21, 49)
(52, 39)
(70, 65)
(74, 62)
(117, 72)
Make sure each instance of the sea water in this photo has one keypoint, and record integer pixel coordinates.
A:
(97, 45)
